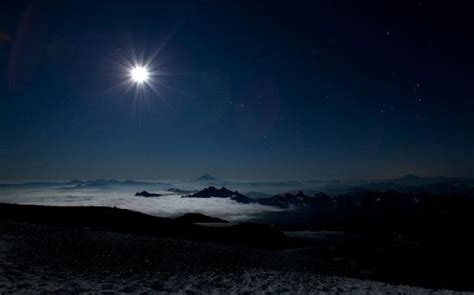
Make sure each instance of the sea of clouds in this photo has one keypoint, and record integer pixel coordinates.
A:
(170, 205)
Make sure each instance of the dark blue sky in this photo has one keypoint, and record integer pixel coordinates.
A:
(244, 89)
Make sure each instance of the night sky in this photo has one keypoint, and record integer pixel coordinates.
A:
(240, 90)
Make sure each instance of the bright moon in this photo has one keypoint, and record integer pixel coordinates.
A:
(139, 74)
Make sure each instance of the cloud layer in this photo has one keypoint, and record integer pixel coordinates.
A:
(166, 206)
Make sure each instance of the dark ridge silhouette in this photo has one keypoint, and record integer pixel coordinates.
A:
(147, 194)
(297, 200)
(420, 239)
(199, 218)
(257, 195)
(127, 221)
(212, 192)
(280, 201)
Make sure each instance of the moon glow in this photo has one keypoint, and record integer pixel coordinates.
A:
(139, 74)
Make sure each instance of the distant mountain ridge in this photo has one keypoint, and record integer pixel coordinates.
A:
(409, 184)
(321, 201)
(212, 192)
(281, 201)
(82, 183)
(206, 177)
(299, 200)
(108, 182)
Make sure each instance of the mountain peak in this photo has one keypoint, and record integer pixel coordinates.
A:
(206, 177)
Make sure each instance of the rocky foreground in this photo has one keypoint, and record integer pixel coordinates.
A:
(45, 258)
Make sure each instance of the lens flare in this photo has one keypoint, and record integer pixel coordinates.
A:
(139, 74)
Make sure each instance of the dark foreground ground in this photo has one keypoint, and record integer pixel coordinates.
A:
(42, 258)
(75, 257)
